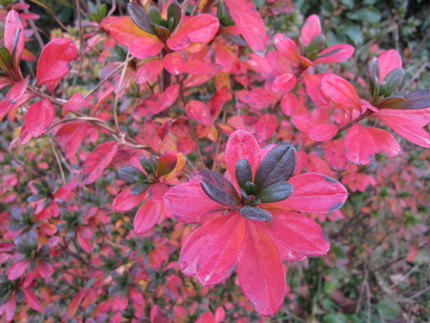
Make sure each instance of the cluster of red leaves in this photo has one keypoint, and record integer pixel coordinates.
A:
(188, 95)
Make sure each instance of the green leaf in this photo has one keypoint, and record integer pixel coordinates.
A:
(173, 15)
(255, 213)
(369, 15)
(130, 174)
(155, 15)
(139, 188)
(392, 82)
(5, 59)
(276, 192)
(388, 309)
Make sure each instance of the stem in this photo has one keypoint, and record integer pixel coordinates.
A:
(118, 89)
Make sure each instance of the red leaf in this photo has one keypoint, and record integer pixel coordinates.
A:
(9, 308)
(384, 142)
(149, 70)
(289, 104)
(45, 269)
(296, 232)
(147, 216)
(249, 23)
(206, 318)
(258, 98)
(313, 88)
(212, 250)
(287, 47)
(284, 83)
(266, 127)
(174, 63)
(190, 204)
(323, 131)
(32, 300)
(408, 129)
(125, 201)
(98, 160)
(75, 103)
(314, 193)
(14, 38)
(261, 273)
(77, 300)
(340, 91)
(242, 144)
(84, 235)
(199, 112)
(388, 61)
(54, 61)
(334, 54)
(39, 117)
(17, 270)
(70, 136)
(144, 47)
(334, 154)
(200, 29)
(310, 29)
(359, 145)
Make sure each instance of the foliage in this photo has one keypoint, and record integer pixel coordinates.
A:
(150, 142)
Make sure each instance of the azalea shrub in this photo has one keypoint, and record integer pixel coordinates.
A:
(209, 161)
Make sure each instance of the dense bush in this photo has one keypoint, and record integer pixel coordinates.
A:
(209, 161)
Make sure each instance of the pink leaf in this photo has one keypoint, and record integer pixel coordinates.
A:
(297, 232)
(54, 62)
(39, 117)
(125, 201)
(287, 47)
(70, 136)
(144, 47)
(84, 235)
(334, 54)
(45, 269)
(98, 160)
(260, 272)
(200, 29)
(266, 127)
(147, 216)
(323, 131)
(289, 104)
(199, 112)
(340, 91)
(174, 63)
(310, 29)
(190, 204)
(249, 23)
(222, 239)
(258, 98)
(314, 193)
(17, 270)
(242, 144)
(284, 83)
(149, 70)
(388, 61)
(14, 38)
(384, 142)
(359, 145)
(32, 300)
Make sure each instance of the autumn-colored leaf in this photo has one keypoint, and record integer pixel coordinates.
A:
(39, 117)
(98, 160)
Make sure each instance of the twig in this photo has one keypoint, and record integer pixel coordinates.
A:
(117, 92)
(57, 158)
(81, 40)
(50, 12)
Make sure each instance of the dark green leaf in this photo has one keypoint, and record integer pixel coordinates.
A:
(255, 213)
(148, 165)
(139, 188)
(278, 165)
(139, 16)
(276, 192)
(155, 15)
(392, 82)
(390, 102)
(173, 15)
(5, 59)
(218, 188)
(130, 174)
(243, 172)
(388, 309)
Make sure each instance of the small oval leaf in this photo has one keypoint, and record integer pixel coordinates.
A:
(218, 188)
(276, 192)
(139, 16)
(255, 213)
(278, 165)
(139, 188)
(130, 174)
(243, 172)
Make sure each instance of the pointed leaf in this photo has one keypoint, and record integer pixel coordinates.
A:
(339, 91)
(130, 174)
(218, 188)
(14, 38)
(139, 16)
(249, 23)
(314, 193)
(32, 300)
(147, 216)
(334, 54)
(17, 270)
(54, 61)
(419, 99)
(278, 165)
(392, 82)
(287, 47)
(39, 117)
(125, 200)
(261, 273)
(98, 160)
(310, 29)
